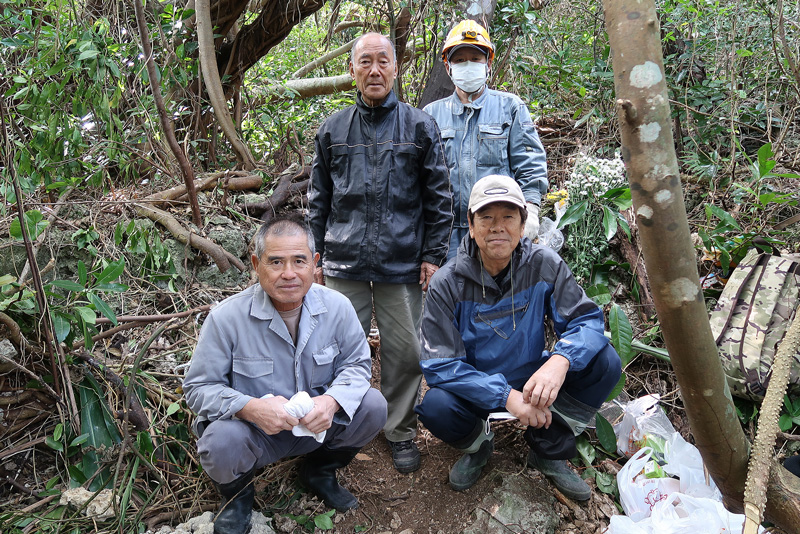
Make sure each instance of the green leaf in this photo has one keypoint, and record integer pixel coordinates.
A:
(7, 279)
(727, 222)
(69, 285)
(599, 294)
(606, 482)
(609, 223)
(111, 288)
(574, 213)
(34, 224)
(88, 54)
(87, 314)
(61, 325)
(102, 307)
(58, 432)
(621, 334)
(172, 408)
(323, 521)
(618, 388)
(111, 272)
(98, 422)
(82, 273)
(80, 440)
(765, 161)
(605, 433)
(785, 423)
(585, 450)
(53, 444)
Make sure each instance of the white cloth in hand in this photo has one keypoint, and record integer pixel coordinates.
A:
(299, 406)
(532, 224)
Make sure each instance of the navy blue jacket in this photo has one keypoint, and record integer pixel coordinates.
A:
(478, 343)
(379, 199)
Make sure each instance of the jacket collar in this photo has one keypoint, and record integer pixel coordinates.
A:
(262, 308)
(378, 111)
(457, 107)
(469, 266)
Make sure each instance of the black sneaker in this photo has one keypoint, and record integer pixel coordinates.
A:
(405, 456)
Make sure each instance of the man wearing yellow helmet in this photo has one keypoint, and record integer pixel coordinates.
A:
(485, 131)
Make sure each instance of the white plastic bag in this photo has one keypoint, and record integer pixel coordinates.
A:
(683, 460)
(549, 234)
(682, 514)
(643, 424)
(639, 494)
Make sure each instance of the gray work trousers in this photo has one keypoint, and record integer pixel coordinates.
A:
(398, 309)
(229, 448)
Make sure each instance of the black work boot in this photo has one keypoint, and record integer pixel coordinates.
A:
(237, 505)
(467, 470)
(565, 479)
(318, 473)
(478, 447)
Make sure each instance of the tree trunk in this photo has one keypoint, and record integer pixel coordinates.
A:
(649, 153)
(439, 84)
(213, 84)
(273, 24)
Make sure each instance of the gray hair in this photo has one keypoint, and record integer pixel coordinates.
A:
(282, 225)
(355, 44)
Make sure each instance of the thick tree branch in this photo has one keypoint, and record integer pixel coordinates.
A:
(213, 84)
(166, 123)
(649, 153)
(302, 71)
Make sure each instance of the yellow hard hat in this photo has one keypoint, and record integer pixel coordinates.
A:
(468, 32)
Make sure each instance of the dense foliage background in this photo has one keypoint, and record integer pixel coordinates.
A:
(79, 123)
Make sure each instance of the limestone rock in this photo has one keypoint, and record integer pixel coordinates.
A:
(518, 505)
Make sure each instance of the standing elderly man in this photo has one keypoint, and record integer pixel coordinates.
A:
(485, 131)
(381, 211)
(277, 339)
(483, 339)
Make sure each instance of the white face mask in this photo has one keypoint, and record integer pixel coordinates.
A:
(469, 76)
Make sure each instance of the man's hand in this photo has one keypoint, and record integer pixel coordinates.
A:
(319, 278)
(425, 273)
(321, 417)
(532, 223)
(528, 414)
(542, 388)
(269, 414)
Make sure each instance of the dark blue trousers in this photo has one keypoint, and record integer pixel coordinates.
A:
(452, 418)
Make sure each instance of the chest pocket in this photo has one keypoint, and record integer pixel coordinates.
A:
(253, 376)
(500, 319)
(448, 139)
(323, 372)
(493, 146)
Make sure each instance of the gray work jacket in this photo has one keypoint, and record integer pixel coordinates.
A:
(245, 352)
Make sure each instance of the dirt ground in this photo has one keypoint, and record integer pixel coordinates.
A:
(422, 502)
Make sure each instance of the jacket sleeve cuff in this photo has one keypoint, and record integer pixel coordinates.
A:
(438, 260)
(506, 393)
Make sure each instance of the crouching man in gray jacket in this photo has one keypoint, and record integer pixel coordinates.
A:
(257, 350)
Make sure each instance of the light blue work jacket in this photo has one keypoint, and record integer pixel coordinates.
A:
(493, 135)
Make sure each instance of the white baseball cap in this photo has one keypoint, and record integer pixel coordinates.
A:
(495, 188)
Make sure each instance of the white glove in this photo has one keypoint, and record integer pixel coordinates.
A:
(532, 224)
(298, 406)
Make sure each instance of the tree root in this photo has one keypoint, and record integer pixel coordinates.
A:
(221, 257)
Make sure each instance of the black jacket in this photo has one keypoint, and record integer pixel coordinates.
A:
(379, 197)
